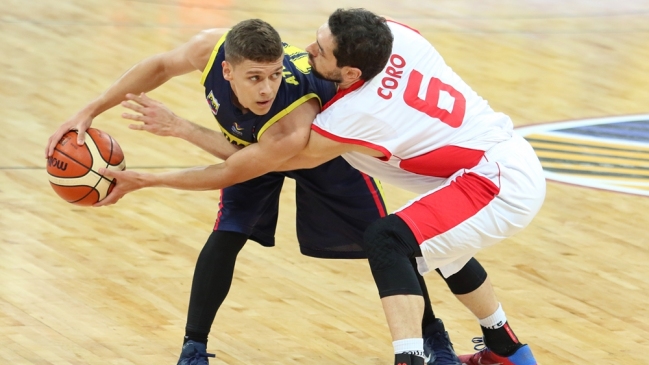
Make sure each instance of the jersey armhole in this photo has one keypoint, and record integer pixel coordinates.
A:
(210, 63)
(287, 110)
(359, 142)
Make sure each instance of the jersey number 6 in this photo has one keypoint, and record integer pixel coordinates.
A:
(429, 105)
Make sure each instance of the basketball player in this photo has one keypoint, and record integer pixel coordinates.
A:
(417, 125)
(263, 96)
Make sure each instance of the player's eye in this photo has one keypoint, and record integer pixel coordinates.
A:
(277, 75)
(254, 78)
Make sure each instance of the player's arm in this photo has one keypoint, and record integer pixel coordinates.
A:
(154, 117)
(318, 150)
(282, 141)
(144, 76)
(321, 149)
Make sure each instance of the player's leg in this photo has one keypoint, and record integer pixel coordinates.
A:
(475, 210)
(390, 246)
(247, 210)
(337, 195)
(210, 285)
(473, 288)
(501, 344)
(522, 190)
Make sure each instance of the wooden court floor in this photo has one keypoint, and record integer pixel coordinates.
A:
(111, 285)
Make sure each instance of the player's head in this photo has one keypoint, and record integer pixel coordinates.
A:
(253, 64)
(353, 44)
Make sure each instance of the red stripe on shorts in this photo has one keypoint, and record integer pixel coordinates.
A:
(218, 216)
(375, 194)
(449, 206)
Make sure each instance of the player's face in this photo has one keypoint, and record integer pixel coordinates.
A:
(255, 84)
(321, 56)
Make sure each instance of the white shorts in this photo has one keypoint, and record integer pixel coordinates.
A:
(477, 207)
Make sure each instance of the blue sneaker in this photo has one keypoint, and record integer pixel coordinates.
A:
(194, 353)
(437, 345)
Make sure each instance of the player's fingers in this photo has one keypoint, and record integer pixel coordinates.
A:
(136, 117)
(106, 172)
(51, 143)
(146, 100)
(137, 127)
(135, 107)
(141, 99)
(112, 198)
(134, 98)
(81, 135)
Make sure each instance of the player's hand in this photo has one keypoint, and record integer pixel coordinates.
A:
(154, 116)
(79, 122)
(125, 182)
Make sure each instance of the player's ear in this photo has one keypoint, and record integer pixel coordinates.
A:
(227, 70)
(351, 73)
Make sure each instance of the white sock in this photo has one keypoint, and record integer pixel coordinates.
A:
(413, 346)
(496, 320)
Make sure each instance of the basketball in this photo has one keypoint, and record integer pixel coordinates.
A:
(72, 168)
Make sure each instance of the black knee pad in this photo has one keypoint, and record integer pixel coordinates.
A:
(390, 245)
(387, 237)
(468, 279)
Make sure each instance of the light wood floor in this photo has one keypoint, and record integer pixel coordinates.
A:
(111, 285)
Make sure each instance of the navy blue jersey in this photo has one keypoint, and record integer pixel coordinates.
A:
(298, 85)
(334, 201)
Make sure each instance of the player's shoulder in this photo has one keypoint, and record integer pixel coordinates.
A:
(208, 37)
(299, 81)
(296, 59)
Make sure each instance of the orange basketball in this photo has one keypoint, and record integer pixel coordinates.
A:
(72, 168)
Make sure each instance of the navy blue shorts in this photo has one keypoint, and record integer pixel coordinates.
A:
(335, 203)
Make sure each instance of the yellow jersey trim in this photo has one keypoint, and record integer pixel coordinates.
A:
(287, 110)
(210, 63)
(231, 138)
(380, 187)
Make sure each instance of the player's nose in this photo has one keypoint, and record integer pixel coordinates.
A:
(311, 50)
(266, 87)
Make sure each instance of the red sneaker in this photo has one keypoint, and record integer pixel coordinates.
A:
(522, 356)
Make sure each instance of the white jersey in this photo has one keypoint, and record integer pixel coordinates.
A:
(419, 113)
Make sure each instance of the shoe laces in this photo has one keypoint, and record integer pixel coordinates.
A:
(479, 343)
(198, 358)
(442, 348)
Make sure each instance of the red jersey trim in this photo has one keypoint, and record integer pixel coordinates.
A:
(343, 92)
(336, 138)
(413, 29)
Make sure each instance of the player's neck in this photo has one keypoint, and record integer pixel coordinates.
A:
(346, 84)
(237, 104)
(348, 79)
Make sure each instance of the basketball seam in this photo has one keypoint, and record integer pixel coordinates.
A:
(95, 147)
(110, 156)
(94, 188)
(75, 160)
(92, 162)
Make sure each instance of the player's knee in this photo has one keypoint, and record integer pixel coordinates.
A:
(389, 238)
(468, 279)
(389, 245)
(224, 243)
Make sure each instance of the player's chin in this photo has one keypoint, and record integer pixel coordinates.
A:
(263, 107)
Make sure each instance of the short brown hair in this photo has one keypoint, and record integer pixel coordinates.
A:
(253, 40)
